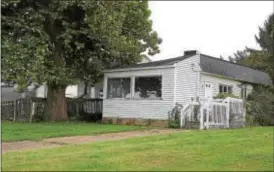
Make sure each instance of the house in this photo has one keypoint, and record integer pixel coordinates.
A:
(9, 94)
(95, 91)
(73, 91)
(144, 93)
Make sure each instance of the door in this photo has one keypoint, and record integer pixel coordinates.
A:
(208, 90)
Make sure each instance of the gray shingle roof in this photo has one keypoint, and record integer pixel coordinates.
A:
(216, 66)
(165, 62)
(221, 67)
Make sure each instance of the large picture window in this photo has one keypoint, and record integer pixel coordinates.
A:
(225, 89)
(148, 87)
(118, 88)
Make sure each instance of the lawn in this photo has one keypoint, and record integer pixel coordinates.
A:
(15, 131)
(249, 149)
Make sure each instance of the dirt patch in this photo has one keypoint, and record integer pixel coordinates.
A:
(60, 141)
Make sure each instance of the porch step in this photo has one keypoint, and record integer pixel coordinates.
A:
(192, 125)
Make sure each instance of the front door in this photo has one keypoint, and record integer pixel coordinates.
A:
(208, 90)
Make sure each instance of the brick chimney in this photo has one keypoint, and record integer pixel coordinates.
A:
(191, 52)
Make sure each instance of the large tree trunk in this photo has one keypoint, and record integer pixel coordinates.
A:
(56, 103)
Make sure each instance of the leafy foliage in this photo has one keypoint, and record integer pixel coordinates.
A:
(225, 95)
(260, 59)
(174, 116)
(64, 42)
(260, 106)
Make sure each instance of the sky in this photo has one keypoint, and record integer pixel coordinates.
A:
(212, 27)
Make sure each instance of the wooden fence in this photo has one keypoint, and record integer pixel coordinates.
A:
(26, 109)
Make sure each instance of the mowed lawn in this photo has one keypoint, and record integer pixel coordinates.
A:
(16, 131)
(249, 149)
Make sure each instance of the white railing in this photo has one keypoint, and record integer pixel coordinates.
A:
(217, 114)
(214, 112)
(188, 114)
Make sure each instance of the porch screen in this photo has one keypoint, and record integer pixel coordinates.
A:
(118, 88)
(148, 87)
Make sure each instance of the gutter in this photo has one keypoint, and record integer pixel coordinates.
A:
(136, 69)
(231, 78)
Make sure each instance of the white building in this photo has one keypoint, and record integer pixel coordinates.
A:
(150, 90)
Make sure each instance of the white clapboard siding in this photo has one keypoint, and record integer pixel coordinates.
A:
(150, 109)
(186, 83)
(215, 80)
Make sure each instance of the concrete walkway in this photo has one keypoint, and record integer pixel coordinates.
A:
(61, 141)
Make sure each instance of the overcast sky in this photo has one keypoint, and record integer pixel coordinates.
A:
(212, 27)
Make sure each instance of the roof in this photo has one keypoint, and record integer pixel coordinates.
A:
(9, 94)
(166, 62)
(216, 66)
(222, 67)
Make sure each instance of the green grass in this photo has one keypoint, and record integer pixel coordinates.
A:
(16, 131)
(249, 149)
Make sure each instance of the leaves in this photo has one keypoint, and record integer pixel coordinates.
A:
(62, 42)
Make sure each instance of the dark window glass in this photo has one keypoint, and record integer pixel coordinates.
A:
(225, 89)
(118, 88)
(229, 89)
(148, 87)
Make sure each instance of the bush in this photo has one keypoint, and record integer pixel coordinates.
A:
(174, 116)
(260, 107)
(225, 95)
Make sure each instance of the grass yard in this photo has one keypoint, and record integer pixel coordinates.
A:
(15, 131)
(249, 149)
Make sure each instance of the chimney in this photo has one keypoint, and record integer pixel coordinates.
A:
(191, 52)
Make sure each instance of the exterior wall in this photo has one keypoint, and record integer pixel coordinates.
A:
(145, 60)
(41, 91)
(215, 80)
(148, 109)
(72, 91)
(186, 80)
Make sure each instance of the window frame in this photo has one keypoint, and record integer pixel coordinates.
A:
(146, 76)
(119, 77)
(222, 88)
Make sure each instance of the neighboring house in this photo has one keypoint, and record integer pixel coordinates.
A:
(95, 91)
(74, 91)
(9, 94)
(150, 90)
(145, 60)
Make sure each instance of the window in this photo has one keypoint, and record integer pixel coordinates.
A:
(118, 88)
(243, 93)
(225, 89)
(148, 87)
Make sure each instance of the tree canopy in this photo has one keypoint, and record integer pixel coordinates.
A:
(63, 42)
(262, 59)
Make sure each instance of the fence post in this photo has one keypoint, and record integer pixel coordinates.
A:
(227, 114)
(32, 111)
(201, 117)
(14, 110)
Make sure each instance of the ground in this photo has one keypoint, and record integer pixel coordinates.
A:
(238, 149)
(16, 131)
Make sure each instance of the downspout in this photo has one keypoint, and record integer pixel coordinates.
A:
(175, 85)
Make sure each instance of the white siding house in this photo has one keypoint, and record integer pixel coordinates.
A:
(74, 91)
(132, 92)
(133, 107)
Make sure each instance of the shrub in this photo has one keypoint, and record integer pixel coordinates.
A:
(174, 116)
(260, 106)
(225, 95)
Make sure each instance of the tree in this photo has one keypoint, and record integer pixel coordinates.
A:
(63, 42)
(260, 59)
